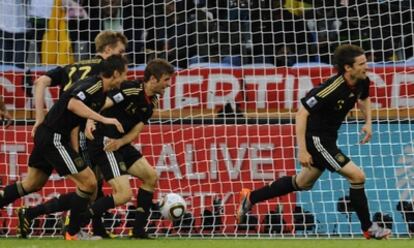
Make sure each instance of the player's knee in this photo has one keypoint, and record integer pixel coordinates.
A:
(30, 186)
(301, 186)
(89, 185)
(305, 187)
(124, 195)
(150, 179)
(358, 177)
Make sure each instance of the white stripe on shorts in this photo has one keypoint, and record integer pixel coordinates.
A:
(64, 154)
(112, 161)
(331, 160)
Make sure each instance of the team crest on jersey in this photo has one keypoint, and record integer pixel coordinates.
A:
(340, 158)
(122, 166)
(118, 97)
(81, 95)
(311, 102)
(351, 95)
(78, 162)
(144, 109)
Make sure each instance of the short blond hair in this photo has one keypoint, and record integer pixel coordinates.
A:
(108, 38)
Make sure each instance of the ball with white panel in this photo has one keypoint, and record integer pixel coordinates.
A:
(173, 206)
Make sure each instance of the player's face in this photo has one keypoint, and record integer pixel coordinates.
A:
(162, 84)
(119, 49)
(118, 78)
(359, 68)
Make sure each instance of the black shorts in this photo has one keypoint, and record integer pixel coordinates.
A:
(325, 153)
(53, 151)
(83, 149)
(112, 164)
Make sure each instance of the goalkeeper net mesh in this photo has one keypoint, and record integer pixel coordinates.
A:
(226, 123)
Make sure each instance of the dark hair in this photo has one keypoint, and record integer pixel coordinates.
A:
(113, 63)
(157, 68)
(109, 38)
(345, 55)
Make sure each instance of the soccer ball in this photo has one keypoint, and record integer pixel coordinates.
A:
(172, 206)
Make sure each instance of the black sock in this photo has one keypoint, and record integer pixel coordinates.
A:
(360, 204)
(54, 205)
(98, 208)
(100, 193)
(102, 205)
(11, 193)
(280, 187)
(98, 227)
(79, 204)
(144, 200)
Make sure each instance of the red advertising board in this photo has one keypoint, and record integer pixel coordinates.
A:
(269, 88)
(200, 162)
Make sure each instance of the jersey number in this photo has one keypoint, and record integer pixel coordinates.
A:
(85, 71)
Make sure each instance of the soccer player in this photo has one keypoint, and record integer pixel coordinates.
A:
(317, 123)
(107, 43)
(113, 152)
(55, 145)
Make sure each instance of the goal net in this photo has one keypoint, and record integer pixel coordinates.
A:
(227, 121)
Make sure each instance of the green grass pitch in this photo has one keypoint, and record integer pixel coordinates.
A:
(207, 243)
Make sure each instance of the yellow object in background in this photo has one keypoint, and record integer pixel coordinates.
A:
(296, 7)
(56, 44)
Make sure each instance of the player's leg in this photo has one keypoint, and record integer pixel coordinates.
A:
(121, 194)
(113, 169)
(86, 186)
(38, 173)
(56, 204)
(144, 171)
(302, 181)
(68, 162)
(284, 185)
(98, 227)
(356, 178)
(33, 182)
(328, 154)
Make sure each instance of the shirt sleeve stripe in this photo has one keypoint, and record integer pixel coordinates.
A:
(330, 88)
(94, 88)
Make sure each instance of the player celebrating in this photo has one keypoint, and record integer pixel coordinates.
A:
(54, 146)
(116, 156)
(107, 43)
(317, 123)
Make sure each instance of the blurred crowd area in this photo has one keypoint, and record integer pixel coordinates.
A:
(189, 32)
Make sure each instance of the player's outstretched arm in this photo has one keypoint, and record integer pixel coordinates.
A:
(304, 156)
(74, 138)
(115, 144)
(40, 86)
(89, 128)
(365, 107)
(79, 108)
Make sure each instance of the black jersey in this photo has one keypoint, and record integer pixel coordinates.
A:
(89, 91)
(329, 104)
(132, 106)
(65, 76)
